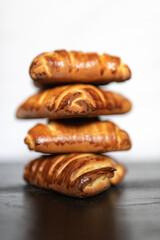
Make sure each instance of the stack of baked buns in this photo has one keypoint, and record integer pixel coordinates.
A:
(74, 137)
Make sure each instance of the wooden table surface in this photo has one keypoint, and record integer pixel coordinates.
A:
(129, 212)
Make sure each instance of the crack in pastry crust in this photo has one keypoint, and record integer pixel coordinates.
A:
(71, 67)
(77, 175)
(76, 100)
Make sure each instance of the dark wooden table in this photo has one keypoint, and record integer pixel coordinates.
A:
(130, 211)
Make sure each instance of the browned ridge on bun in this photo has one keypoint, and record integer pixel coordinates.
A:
(78, 100)
(61, 67)
(76, 175)
(70, 136)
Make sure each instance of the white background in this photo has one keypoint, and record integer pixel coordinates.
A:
(129, 29)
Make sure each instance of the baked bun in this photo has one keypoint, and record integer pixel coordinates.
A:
(76, 100)
(77, 135)
(76, 175)
(61, 67)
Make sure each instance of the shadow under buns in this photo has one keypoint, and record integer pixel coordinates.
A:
(78, 100)
(77, 135)
(76, 175)
(77, 67)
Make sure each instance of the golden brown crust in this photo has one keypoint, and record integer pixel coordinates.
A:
(77, 135)
(119, 174)
(77, 67)
(76, 100)
(76, 175)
